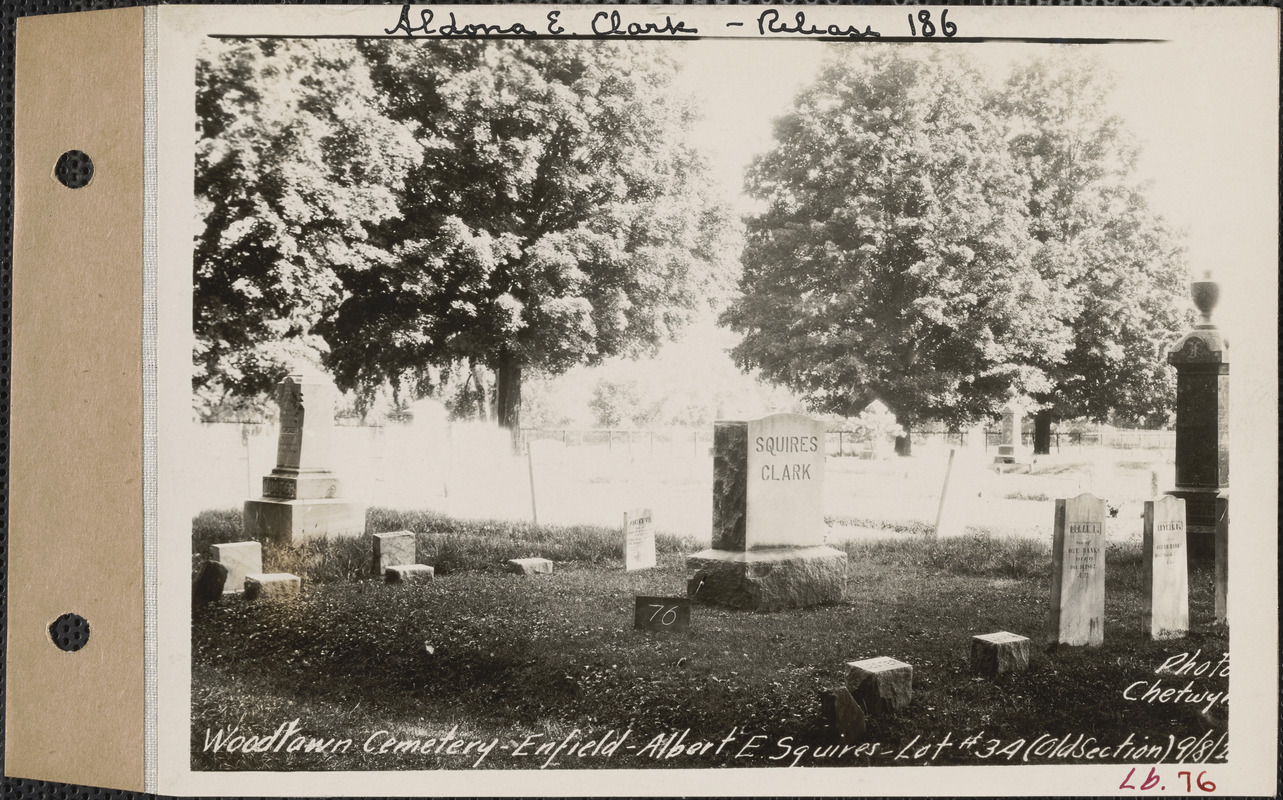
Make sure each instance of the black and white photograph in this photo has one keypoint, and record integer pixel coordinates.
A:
(572, 390)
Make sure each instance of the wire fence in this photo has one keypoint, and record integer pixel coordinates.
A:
(840, 443)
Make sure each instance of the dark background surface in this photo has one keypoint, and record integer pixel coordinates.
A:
(18, 789)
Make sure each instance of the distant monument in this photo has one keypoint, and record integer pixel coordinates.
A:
(768, 548)
(1010, 449)
(1201, 360)
(301, 495)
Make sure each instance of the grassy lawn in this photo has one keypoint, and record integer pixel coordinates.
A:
(490, 657)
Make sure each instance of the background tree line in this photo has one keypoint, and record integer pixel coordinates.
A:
(456, 214)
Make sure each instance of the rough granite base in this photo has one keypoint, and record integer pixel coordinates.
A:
(769, 579)
(290, 521)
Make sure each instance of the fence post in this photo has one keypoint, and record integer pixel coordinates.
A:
(840, 450)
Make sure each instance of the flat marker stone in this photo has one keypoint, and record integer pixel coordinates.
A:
(530, 566)
(410, 573)
(272, 585)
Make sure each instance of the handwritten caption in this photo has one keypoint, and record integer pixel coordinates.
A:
(425, 22)
(1191, 666)
(543, 752)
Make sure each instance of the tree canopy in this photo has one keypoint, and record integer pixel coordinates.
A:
(893, 259)
(941, 245)
(1117, 269)
(295, 161)
(531, 205)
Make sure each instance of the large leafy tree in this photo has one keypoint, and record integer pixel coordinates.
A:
(555, 215)
(1116, 271)
(296, 160)
(893, 259)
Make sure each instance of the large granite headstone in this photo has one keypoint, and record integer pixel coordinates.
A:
(639, 540)
(301, 495)
(1078, 572)
(768, 548)
(1166, 569)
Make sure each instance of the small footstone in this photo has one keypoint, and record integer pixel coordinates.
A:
(208, 586)
(995, 653)
(881, 685)
(410, 573)
(272, 585)
(843, 713)
(392, 550)
(530, 566)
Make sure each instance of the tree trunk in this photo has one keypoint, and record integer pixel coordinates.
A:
(481, 399)
(508, 397)
(904, 442)
(1042, 432)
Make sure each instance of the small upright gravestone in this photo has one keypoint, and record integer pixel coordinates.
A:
(301, 495)
(1166, 569)
(241, 559)
(392, 550)
(639, 540)
(768, 548)
(1078, 572)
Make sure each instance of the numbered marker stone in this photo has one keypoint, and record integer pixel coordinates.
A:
(530, 566)
(272, 585)
(881, 685)
(662, 613)
(995, 653)
(241, 559)
(639, 540)
(410, 573)
(392, 550)
(209, 583)
(1078, 572)
(1166, 569)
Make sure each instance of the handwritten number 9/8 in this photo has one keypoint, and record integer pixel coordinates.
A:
(929, 28)
(669, 617)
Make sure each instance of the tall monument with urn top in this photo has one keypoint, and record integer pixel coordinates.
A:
(1201, 359)
(768, 548)
(301, 495)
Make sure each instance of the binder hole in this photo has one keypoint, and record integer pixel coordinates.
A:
(70, 632)
(74, 169)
